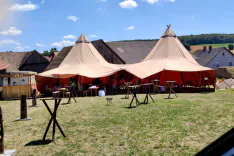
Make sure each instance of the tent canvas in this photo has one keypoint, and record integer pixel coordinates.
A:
(83, 60)
(171, 60)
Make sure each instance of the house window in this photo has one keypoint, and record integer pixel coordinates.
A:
(230, 63)
(217, 64)
(223, 54)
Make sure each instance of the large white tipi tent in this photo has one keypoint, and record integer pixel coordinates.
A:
(170, 60)
(83, 60)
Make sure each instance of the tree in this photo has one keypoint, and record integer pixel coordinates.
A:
(204, 48)
(52, 50)
(230, 46)
(45, 53)
(187, 46)
(210, 48)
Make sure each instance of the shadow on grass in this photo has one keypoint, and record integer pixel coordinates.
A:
(130, 107)
(124, 98)
(169, 98)
(66, 103)
(38, 142)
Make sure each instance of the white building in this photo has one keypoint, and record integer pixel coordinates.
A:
(217, 57)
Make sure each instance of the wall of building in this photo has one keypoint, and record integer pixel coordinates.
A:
(224, 58)
(35, 62)
(39, 67)
(107, 53)
(223, 73)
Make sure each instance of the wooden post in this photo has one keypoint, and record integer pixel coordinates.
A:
(34, 98)
(30, 85)
(1, 133)
(23, 107)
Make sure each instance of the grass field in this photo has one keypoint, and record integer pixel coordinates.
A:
(200, 46)
(181, 126)
(215, 45)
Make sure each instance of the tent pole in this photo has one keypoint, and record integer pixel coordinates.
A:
(182, 77)
(30, 85)
(194, 78)
(159, 75)
(166, 75)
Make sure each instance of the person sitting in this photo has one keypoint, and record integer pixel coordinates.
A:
(48, 91)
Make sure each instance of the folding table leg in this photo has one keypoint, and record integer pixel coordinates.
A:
(51, 120)
(131, 101)
(54, 118)
(145, 98)
(74, 99)
(151, 98)
(47, 129)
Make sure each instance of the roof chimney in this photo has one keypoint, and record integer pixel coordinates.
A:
(204, 48)
(210, 48)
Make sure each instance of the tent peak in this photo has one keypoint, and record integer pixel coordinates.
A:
(82, 39)
(168, 32)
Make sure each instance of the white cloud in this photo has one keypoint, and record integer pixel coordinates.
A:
(93, 36)
(27, 47)
(11, 31)
(156, 1)
(62, 43)
(9, 42)
(73, 18)
(42, 2)
(128, 4)
(69, 37)
(130, 28)
(152, 1)
(192, 18)
(40, 45)
(101, 9)
(104, 0)
(23, 7)
(19, 48)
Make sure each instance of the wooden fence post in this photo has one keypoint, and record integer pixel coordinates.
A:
(1, 133)
(23, 107)
(34, 98)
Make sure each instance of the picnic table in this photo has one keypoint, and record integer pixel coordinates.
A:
(170, 85)
(206, 85)
(71, 93)
(134, 89)
(93, 88)
(156, 86)
(63, 90)
(127, 84)
(148, 87)
(53, 117)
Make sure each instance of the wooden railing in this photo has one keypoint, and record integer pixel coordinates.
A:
(16, 91)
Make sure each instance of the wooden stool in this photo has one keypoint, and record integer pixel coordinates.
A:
(68, 94)
(109, 100)
(55, 94)
(85, 93)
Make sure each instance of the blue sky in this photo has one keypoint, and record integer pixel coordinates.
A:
(43, 24)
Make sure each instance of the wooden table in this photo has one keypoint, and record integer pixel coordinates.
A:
(53, 117)
(128, 89)
(134, 89)
(206, 85)
(171, 85)
(93, 88)
(156, 86)
(70, 89)
(62, 90)
(147, 86)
